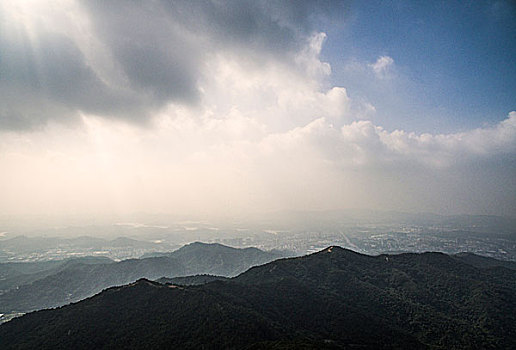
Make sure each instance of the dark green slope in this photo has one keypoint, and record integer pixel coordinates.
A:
(15, 274)
(332, 299)
(220, 260)
(78, 281)
(483, 261)
(193, 280)
(150, 315)
(142, 315)
(440, 300)
(68, 281)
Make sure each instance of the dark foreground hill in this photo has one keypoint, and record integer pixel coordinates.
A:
(73, 280)
(334, 299)
(483, 261)
(191, 280)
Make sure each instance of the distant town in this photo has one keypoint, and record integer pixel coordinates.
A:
(138, 240)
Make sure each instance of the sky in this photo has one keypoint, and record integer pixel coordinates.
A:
(224, 108)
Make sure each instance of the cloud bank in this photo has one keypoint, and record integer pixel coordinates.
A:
(128, 59)
(215, 109)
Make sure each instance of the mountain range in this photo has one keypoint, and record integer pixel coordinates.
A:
(23, 245)
(333, 299)
(33, 286)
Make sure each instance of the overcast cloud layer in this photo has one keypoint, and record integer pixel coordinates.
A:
(216, 108)
(127, 59)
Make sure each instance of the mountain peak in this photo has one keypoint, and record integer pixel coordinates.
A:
(145, 282)
(335, 249)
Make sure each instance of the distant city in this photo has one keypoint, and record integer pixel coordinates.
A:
(136, 240)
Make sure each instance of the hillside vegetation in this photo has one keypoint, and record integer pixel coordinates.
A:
(333, 299)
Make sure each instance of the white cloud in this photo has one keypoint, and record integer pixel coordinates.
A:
(266, 133)
(383, 66)
(362, 142)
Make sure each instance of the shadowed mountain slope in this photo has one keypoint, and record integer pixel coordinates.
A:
(332, 299)
(74, 280)
(484, 262)
(191, 280)
(221, 260)
(14, 274)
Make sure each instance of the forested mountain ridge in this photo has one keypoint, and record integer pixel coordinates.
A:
(332, 299)
(191, 280)
(73, 280)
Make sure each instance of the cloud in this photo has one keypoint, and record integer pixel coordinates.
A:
(361, 143)
(240, 117)
(235, 159)
(382, 67)
(364, 165)
(129, 59)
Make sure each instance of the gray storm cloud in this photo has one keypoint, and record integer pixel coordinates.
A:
(128, 59)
